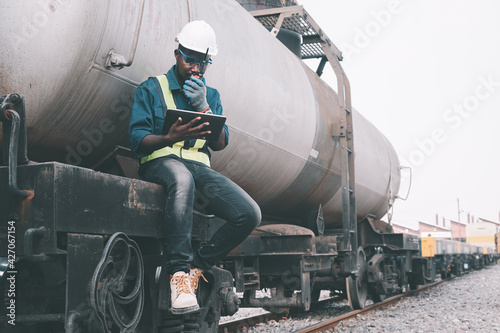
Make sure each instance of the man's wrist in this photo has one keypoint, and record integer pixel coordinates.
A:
(167, 140)
(202, 107)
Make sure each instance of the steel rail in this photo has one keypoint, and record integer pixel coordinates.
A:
(239, 324)
(331, 323)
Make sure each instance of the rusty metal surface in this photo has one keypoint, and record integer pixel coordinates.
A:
(369, 235)
(83, 200)
(32, 213)
(84, 252)
(72, 199)
(270, 244)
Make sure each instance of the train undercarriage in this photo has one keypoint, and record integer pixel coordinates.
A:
(80, 251)
(88, 261)
(270, 258)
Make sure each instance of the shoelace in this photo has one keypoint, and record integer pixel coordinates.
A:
(182, 282)
(196, 279)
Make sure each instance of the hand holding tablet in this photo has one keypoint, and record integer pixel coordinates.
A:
(216, 122)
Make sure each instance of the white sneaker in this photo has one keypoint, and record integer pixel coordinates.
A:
(194, 275)
(181, 294)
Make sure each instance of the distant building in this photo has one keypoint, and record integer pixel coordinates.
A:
(433, 230)
(458, 231)
(400, 229)
(482, 233)
(496, 224)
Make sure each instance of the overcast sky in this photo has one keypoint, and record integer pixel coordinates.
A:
(427, 74)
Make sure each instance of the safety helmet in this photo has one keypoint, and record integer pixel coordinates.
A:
(198, 36)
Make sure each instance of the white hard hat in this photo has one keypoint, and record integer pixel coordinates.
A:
(198, 36)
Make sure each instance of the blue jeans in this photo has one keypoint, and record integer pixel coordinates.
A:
(220, 196)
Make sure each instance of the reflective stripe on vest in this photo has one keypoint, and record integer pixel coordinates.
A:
(177, 149)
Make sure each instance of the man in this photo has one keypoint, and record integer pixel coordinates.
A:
(180, 161)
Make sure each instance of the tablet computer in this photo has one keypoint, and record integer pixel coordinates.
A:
(216, 122)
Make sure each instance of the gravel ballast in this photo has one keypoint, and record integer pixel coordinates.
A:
(469, 303)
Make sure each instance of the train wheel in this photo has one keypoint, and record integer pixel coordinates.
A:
(315, 295)
(357, 288)
(417, 277)
(376, 297)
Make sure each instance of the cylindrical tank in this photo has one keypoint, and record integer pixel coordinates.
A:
(280, 113)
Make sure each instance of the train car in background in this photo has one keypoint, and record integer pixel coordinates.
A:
(447, 257)
(497, 243)
(482, 233)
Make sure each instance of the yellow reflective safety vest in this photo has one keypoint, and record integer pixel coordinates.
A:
(177, 149)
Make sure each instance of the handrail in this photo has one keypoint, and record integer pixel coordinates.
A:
(117, 60)
(14, 136)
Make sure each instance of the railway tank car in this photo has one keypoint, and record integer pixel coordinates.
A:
(88, 235)
(78, 101)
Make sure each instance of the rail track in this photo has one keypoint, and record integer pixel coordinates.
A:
(240, 324)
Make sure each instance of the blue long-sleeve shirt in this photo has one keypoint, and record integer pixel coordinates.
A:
(147, 115)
